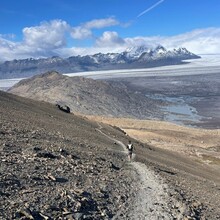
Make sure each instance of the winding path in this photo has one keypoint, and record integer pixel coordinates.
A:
(151, 200)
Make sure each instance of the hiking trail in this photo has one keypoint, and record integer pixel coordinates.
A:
(151, 199)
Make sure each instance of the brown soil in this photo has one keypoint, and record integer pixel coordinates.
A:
(200, 144)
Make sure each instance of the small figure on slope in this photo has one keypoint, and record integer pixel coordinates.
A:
(130, 148)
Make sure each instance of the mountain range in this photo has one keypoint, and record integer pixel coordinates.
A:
(135, 57)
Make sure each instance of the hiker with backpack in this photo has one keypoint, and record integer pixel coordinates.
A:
(130, 148)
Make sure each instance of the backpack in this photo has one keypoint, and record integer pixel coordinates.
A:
(130, 146)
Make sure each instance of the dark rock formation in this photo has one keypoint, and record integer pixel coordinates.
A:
(64, 108)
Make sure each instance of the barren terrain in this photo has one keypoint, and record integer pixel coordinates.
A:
(188, 158)
(56, 165)
(63, 166)
(86, 96)
(200, 144)
(192, 100)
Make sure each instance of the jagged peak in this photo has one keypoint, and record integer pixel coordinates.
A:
(181, 49)
(160, 48)
(137, 49)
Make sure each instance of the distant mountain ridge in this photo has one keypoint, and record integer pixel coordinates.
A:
(136, 57)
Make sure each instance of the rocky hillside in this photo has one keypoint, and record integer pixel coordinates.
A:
(57, 166)
(86, 96)
(136, 57)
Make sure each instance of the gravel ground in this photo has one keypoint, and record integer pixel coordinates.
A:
(55, 165)
(151, 197)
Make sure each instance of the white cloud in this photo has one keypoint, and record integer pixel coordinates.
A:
(49, 35)
(101, 23)
(110, 38)
(39, 41)
(84, 30)
(199, 41)
(150, 42)
(49, 39)
(80, 33)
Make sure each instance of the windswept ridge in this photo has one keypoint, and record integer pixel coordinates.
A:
(86, 95)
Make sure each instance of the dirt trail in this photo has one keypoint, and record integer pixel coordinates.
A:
(151, 198)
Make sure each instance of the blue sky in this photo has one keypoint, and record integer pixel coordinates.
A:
(42, 28)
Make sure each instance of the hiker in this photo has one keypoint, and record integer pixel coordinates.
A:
(130, 148)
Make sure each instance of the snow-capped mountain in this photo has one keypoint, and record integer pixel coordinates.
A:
(135, 52)
(143, 53)
(134, 57)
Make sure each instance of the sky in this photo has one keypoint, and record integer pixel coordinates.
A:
(45, 28)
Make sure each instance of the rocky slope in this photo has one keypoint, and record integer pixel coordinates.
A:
(136, 57)
(56, 165)
(86, 96)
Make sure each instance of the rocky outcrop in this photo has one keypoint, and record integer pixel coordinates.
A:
(64, 108)
(86, 96)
